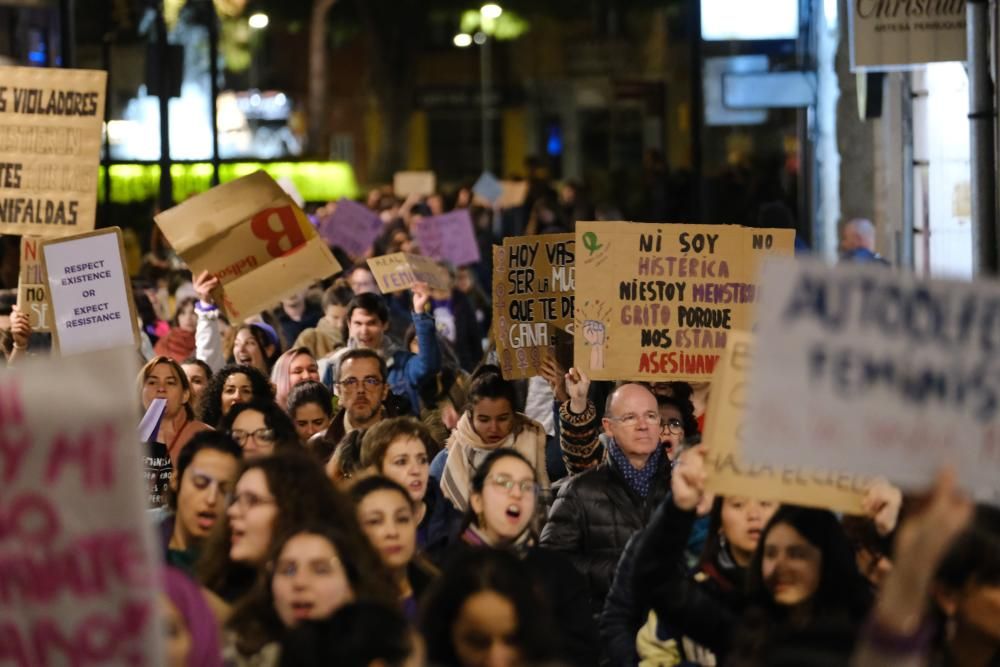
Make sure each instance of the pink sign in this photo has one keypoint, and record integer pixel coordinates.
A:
(449, 237)
(78, 583)
(353, 227)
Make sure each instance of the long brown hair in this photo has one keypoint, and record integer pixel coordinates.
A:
(302, 493)
(182, 377)
(255, 620)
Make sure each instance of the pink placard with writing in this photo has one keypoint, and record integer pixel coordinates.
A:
(78, 577)
(449, 237)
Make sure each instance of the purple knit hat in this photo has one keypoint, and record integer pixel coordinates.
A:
(190, 602)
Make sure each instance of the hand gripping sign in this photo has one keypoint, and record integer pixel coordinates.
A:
(253, 238)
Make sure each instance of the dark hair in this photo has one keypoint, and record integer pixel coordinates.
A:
(356, 635)
(378, 438)
(210, 410)
(686, 408)
(713, 543)
(305, 393)
(337, 294)
(372, 483)
(199, 442)
(487, 382)
(285, 435)
(362, 353)
(480, 570)
(842, 588)
(264, 340)
(371, 303)
(194, 361)
(255, 620)
(302, 494)
(181, 305)
(478, 483)
(975, 556)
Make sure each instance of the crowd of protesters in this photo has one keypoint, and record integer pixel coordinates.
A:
(353, 482)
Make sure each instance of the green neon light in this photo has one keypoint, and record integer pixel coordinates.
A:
(316, 181)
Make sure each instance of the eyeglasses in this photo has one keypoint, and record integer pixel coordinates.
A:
(248, 500)
(319, 567)
(369, 383)
(263, 436)
(631, 420)
(673, 426)
(507, 483)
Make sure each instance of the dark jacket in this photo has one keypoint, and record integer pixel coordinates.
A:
(440, 525)
(622, 617)
(594, 515)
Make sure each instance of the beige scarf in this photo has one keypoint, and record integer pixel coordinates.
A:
(466, 451)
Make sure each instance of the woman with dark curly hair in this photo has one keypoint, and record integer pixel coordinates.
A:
(260, 428)
(484, 610)
(312, 571)
(231, 385)
(273, 496)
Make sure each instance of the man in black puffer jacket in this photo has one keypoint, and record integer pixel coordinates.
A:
(598, 510)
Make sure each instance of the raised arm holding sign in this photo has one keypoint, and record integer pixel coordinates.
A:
(253, 238)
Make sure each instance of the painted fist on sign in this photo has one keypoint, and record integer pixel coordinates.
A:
(594, 334)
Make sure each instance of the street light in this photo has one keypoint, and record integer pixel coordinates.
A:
(462, 40)
(491, 11)
(258, 21)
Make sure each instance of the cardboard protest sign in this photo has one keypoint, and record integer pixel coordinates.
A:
(868, 371)
(449, 237)
(80, 583)
(513, 194)
(406, 183)
(31, 286)
(487, 188)
(89, 293)
(533, 284)
(400, 271)
(729, 472)
(886, 37)
(352, 227)
(656, 302)
(253, 238)
(50, 140)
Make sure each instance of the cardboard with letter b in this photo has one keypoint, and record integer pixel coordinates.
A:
(254, 238)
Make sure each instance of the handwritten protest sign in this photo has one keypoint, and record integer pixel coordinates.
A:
(406, 183)
(400, 271)
(533, 284)
(31, 286)
(449, 237)
(50, 140)
(252, 236)
(78, 584)
(89, 292)
(352, 227)
(885, 38)
(868, 371)
(730, 474)
(656, 302)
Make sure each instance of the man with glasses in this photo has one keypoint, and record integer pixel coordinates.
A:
(598, 510)
(205, 475)
(362, 389)
(367, 324)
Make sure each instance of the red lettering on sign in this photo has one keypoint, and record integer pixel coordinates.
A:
(93, 451)
(283, 240)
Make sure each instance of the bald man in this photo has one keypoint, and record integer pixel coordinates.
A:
(598, 510)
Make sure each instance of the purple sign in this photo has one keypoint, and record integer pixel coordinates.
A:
(448, 237)
(352, 227)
